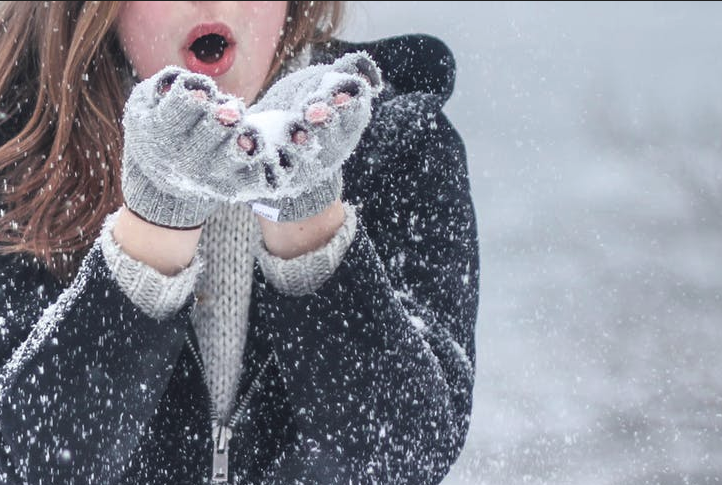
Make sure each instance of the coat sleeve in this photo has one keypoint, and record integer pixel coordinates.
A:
(80, 378)
(378, 363)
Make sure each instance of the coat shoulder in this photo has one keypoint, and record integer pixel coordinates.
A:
(416, 63)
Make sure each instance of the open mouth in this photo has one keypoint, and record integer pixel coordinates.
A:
(210, 49)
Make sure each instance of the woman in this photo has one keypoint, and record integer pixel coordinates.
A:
(199, 340)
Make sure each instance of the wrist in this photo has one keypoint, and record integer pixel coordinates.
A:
(167, 250)
(162, 204)
(288, 240)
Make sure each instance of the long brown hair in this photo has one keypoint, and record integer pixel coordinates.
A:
(62, 91)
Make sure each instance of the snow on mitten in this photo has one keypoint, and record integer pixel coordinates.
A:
(181, 153)
(304, 128)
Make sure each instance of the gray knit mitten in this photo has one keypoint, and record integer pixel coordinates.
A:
(183, 149)
(304, 128)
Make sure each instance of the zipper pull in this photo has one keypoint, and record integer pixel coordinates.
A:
(221, 437)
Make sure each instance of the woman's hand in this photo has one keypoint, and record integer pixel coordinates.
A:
(188, 147)
(183, 154)
(309, 123)
(184, 149)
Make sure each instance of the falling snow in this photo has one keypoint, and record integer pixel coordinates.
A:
(593, 137)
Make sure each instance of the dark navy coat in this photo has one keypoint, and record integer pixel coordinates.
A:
(366, 381)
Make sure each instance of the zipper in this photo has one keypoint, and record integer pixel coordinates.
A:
(251, 391)
(221, 437)
(222, 432)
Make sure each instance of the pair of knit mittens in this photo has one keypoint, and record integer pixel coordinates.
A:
(189, 147)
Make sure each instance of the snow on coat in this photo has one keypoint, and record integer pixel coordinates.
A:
(369, 379)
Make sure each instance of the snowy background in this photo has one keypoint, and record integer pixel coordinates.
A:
(594, 134)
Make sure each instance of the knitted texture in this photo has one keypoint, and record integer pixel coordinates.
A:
(308, 272)
(157, 295)
(220, 317)
(229, 242)
(306, 125)
(179, 159)
(222, 273)
(186, 194)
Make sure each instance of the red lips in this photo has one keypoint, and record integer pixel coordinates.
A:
(218, 66)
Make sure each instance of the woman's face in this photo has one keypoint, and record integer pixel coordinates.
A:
(233, 42)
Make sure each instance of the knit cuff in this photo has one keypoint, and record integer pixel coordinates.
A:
(157, 295)
(179, 210)
(306, 273)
